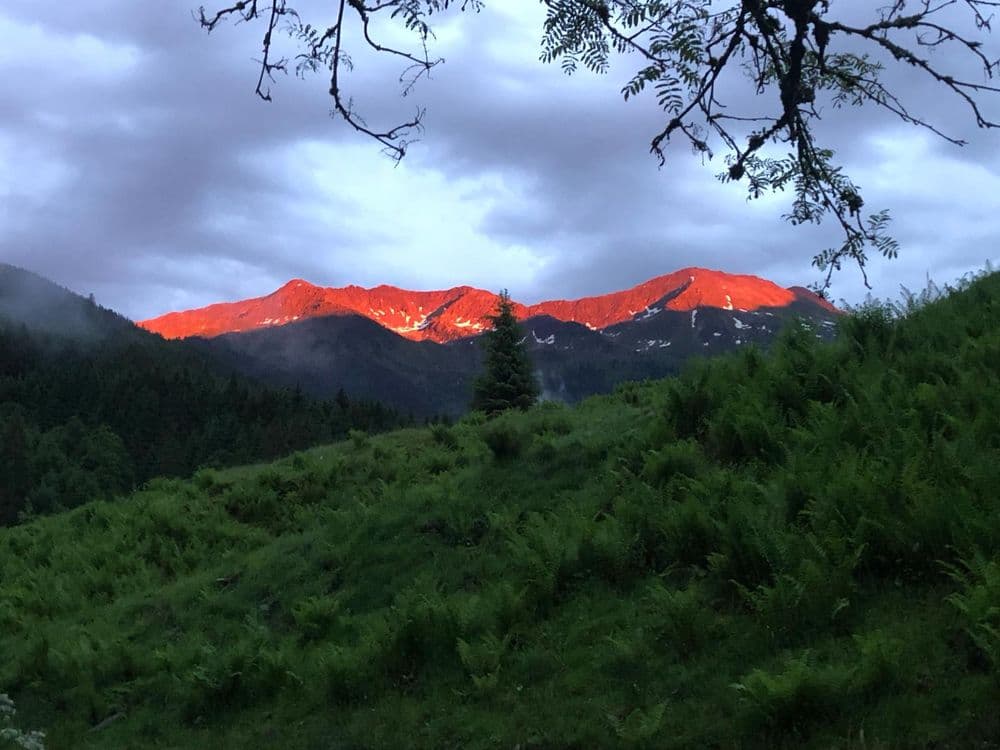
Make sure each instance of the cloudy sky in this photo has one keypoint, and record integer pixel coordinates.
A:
(136, 164)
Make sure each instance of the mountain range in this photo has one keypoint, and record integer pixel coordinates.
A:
(418, 351)
(460, 312)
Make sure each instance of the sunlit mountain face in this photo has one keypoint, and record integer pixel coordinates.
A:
(452, 314)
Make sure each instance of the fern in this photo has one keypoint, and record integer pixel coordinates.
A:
(978, 603)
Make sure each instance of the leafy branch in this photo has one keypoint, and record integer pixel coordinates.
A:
(325, 48)
(795, 55)
(787, 51)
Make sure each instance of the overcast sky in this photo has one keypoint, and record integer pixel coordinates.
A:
(136, 164)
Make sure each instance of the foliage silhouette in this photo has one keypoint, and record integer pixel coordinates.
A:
(802, 59)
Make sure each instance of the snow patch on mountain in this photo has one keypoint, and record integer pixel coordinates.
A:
(653, 344)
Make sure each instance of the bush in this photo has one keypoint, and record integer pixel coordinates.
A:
(682, 458)
(316, 616)
(505, 439)
(794, 698)
(743, 431)
(683, 620)
(481, 659)
(255, 503)
(978, 604)
(869, 329)
(443, 435)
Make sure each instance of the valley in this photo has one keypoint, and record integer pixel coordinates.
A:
(785, 549)
(364, 340)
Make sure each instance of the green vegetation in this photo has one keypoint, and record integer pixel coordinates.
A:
(508, 380)
(797, 549)
(85, 418)
(31, 740)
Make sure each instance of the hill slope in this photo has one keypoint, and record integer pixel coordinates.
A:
(42, 306)
(91, 405)
(793, 550)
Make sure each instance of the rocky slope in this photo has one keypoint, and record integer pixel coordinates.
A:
(448, 315)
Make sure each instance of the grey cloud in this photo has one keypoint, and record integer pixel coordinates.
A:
(159, 157)
(616, 219)
(143, 192)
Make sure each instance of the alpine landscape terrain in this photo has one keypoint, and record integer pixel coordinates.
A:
(776, 548)
(353, 400)
(418, 351)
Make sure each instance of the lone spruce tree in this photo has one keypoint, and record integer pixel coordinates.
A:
(509, 380)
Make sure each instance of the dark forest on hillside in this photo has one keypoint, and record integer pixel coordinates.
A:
(82, 419)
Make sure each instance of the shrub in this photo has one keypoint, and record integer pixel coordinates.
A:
(545, 551)
(880, 665)
(544, 451)
(794, 698)
(443, 435)
(552, 417)
(682, 458)
(682, 617)
(743, 431)
(630, 392)
(686, 533)
(505, 439)
(978, 604)
(208, 481)
(481, 659)
(869, 328)
(316, 616)
(240, 673)
(608, 550)
(350, 671)
(690, 401)
(640, 725)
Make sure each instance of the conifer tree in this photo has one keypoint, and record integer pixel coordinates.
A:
(509, 380)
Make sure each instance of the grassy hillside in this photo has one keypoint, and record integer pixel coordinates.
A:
(793, 550)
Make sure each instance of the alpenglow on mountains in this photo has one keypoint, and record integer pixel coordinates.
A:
(418, 351)
(448, 315)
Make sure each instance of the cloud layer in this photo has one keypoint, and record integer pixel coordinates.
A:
(135, 163)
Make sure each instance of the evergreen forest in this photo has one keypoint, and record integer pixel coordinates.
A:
(86, 417)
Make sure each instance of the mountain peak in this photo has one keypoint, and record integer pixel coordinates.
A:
(295, 284)
(462, 311)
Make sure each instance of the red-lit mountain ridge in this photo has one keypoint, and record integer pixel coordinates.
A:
(451, 314)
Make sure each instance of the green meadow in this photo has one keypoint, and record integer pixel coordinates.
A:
(797, 548)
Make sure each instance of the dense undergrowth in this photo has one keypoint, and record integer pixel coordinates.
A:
(797, 549)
